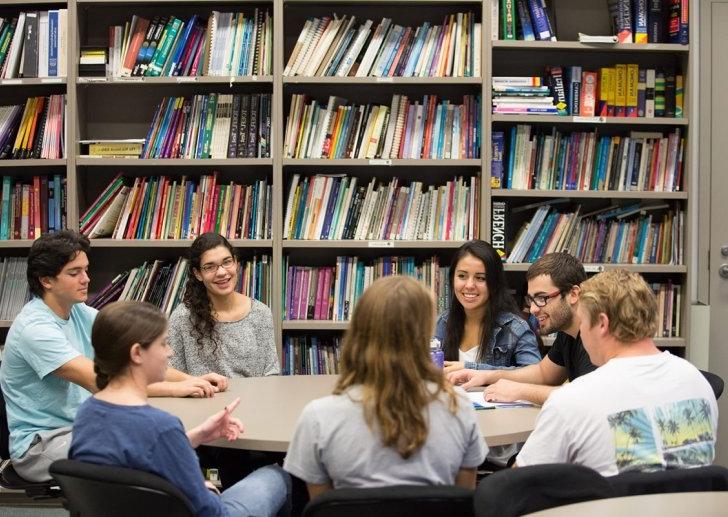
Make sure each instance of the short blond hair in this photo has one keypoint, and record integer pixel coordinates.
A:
(626, 299)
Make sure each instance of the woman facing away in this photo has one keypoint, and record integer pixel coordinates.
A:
(117, 427)
(216, 328)
(482, 329)
(393, 418)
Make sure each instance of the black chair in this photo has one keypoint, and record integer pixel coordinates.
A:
(715, 382)
(393, 501)
(99, 490)
(524, 490)
(712, 478)
(9, 478)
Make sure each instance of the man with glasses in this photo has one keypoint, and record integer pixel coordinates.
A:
(553, 294)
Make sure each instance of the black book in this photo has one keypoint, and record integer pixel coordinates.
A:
(243, 128)
(41, 125)
(253, 126)
(30, 45)
(669, 92)
(233, 136)
(655, 22)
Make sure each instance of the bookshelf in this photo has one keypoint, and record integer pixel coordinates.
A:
(99, 107)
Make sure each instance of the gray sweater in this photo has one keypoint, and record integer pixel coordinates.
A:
(246, 347)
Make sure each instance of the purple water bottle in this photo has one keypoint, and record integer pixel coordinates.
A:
(436, 353)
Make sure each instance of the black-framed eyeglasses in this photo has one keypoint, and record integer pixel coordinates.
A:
(540, 299)
(228, 263)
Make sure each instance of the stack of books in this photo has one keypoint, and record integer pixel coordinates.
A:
(334, 207)
(160, 283)
(32, 207)
(310, 355)
(33, 130)
(34, 44)
(93, 62)
(334, 46)
(330, 293)
(623, 235)
(211, 125)
(527, 20)
(650, 22)
(669, 302)
(585, 161)
(14, 289)
(227, 44)
(160, 207)
(522, 95)
(255, 278)
(431, 129)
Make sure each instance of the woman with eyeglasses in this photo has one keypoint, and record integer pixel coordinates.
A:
(216, 328)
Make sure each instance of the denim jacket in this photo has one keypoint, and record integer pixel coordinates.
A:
(513, 343)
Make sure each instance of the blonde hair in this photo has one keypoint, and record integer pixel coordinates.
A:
(386, 351)
(626, 299)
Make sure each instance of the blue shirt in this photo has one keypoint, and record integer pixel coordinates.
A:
(512, 343)
(142, 438)
(38, 343)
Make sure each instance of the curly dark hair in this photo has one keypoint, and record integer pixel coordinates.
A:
(50, 253)
(196, 298)
(499, 299)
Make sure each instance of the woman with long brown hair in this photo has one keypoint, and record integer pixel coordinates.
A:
(393, 418)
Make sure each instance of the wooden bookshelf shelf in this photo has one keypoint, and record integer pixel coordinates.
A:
(385, 244)
(33, 81)
(382, 80)
(381, 162)
(588, 194)
(136, 162)
(172, 243)
(5, 324)
(557, 119)
(589, 47)
(314, 325)
(16, 243)
(12, 164)
(595, 268)
(177, 80)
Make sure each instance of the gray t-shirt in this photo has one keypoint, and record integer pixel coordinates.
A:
(333, 444)
(246, 347)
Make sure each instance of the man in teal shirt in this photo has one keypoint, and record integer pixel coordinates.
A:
(47, 367)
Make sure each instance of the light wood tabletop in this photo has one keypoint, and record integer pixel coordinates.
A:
(269, 408)
(704, 504)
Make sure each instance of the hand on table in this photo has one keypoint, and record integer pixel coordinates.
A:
(217, 380)
(453, 366)
(503, 391)
(469, 378)
(192, 387)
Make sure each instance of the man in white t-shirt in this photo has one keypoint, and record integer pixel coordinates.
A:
(642, 409)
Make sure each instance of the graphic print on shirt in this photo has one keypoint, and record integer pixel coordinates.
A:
(674, 435)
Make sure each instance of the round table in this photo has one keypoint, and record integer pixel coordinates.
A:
(705, 504)
(269, 408)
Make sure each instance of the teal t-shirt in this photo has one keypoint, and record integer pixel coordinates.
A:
(38, 343)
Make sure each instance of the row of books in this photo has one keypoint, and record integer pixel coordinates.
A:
(161, 207)
(310, 355)
(630, 234)
(334, 46)
(527, 20)
(330, 293)
(433, 128)
(336, 207)
(226, 44)
(211, 126)
(669, 302)
(585, 161)
(35, 129)
(624, 90)
(33, 44)
(162, 283)
(29, 208)
(14, 290)
(650, 21)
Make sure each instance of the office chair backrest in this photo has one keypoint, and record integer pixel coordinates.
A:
(512, 492)
(100, 490)
(701, 479)
(715, 381)
(393, 501)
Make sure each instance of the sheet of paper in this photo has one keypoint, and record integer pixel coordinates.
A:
(476, 397)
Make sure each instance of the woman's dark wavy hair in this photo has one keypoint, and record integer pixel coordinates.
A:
(499, 299)
(196, 298)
